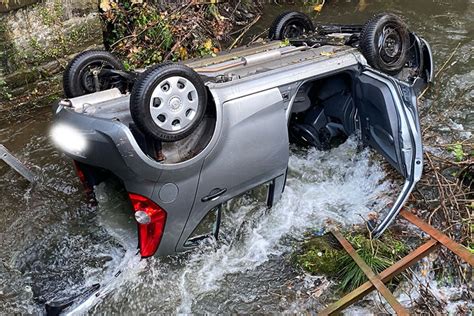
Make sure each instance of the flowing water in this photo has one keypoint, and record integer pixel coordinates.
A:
(54, 244)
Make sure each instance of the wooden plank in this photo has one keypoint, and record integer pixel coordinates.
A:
(458, 249)
(373, 278)
(385, 276)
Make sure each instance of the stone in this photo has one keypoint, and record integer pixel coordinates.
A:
(16, 4)
(22, 78)
(38, 38)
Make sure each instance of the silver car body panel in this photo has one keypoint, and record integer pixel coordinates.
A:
(249, 144)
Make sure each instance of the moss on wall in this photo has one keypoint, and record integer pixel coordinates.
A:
(38, 40)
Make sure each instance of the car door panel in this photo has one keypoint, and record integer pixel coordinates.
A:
(389, 123)
(253, 148)
(379, 119)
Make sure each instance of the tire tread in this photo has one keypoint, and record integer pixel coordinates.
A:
(278, 24)
(367, 41)
(138, 96)
(69, 84)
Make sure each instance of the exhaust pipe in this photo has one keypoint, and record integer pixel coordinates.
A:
(253, 59)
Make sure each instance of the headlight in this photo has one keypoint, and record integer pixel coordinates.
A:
(68, 139)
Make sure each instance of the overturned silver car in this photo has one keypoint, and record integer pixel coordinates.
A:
(185, 138)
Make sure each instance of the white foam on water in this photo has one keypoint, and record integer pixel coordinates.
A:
(340, 186)
(421, 288)
(130, 267)
(114, 216)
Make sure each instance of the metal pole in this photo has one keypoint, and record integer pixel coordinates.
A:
(16, 164)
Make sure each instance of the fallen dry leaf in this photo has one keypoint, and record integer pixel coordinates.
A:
(327, 53)
(105, 5)
(318, 7)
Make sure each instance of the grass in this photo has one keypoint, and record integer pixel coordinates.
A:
(321, 255)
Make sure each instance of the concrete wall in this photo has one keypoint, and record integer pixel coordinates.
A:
(37, 38)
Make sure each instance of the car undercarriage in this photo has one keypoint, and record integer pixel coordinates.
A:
(185, 138)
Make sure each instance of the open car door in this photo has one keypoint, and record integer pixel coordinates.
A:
(389, 123)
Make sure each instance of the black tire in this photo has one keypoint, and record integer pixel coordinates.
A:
(78, 78)
(290, 24)
(156, 78)
(385, 42)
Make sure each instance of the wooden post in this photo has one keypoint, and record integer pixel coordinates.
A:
(385, 276)
(458, 249)
(373, 278)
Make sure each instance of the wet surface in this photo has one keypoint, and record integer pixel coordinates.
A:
(53, 244)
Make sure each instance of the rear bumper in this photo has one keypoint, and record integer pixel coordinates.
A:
(111, 146)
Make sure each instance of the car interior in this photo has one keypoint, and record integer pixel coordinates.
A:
(323, 112)
(326, 111)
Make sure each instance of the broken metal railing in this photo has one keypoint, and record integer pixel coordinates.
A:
(377, 281)
(16, 164)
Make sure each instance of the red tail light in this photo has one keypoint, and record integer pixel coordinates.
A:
(81, 175)
(149, 233)
(89, 190)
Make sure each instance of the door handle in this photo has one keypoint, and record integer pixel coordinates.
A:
(215, 193)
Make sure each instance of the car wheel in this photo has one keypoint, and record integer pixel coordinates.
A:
(290, 24)
(385, 43)
(168, 102)
(82, 75)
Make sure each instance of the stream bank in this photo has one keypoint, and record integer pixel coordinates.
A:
(39, 38)
(53, 244)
